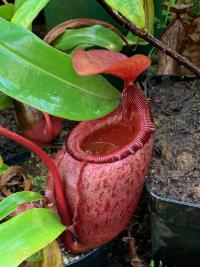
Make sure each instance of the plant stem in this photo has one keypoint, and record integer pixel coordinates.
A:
(151, 39)
(62, 207)
(134, 259)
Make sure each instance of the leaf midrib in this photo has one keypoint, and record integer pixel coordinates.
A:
(3, 46)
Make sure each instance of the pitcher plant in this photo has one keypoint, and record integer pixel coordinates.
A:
(97, 177)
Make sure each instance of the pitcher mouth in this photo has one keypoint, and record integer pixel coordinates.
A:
(116, 135)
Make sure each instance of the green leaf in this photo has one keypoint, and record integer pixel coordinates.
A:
(170, 4)
(149, 15)
(3, 169)
(6, 11)
(43, 77)
(27, 233)
(10, 203)
(18, 3)
(1, 162)
(148, 6)
(131, 9)
(96, 35)
(135, 40)
(28, 11)
(3, 166)
(5, 101)
(36, 257)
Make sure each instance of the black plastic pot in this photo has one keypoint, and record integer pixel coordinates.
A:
(95, 258)
(175, 231)
(175, 225)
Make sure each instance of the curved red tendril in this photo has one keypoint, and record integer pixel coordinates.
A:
(62, 206)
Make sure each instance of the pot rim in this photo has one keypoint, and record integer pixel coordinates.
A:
(83, 257)
(96, 252)
(169, 200)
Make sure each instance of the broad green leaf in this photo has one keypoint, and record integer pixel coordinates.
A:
(131, 9)
(28, 11)
(27, 233)
(6, 11)
(5, 101)
(43, 77)
(10, 203)
(96, 35)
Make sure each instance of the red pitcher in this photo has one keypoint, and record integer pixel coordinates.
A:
(104, 162)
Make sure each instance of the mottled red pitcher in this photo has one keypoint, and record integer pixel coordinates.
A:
(37, 126)
(104, 162)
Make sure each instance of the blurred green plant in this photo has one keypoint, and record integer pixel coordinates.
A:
(28, 232)
(193, 11)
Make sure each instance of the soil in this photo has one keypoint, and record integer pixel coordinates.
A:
(8, 148)
(175, 167)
